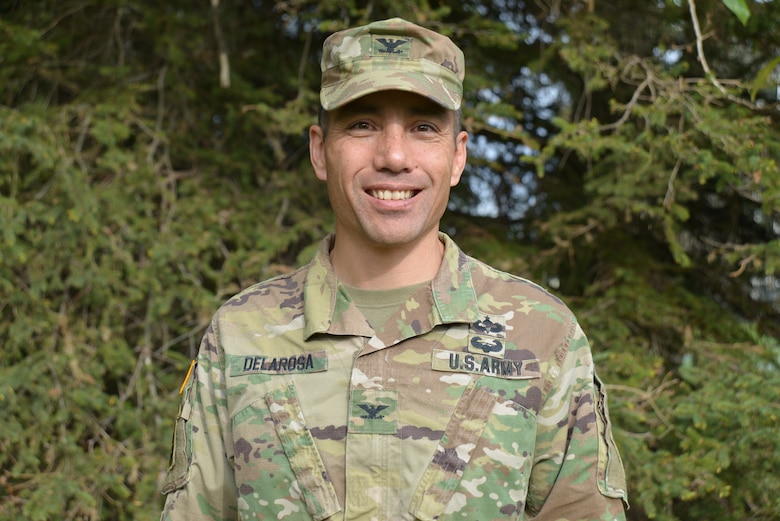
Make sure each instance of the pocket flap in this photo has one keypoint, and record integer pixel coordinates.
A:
(298, 444)
(453, 453)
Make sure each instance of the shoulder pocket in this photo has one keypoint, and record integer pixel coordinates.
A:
(181, 446)
(612, 476)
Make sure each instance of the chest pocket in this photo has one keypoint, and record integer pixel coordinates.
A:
(278, 469)
(480, 468)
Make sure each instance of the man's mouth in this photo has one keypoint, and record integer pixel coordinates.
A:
(392, 195)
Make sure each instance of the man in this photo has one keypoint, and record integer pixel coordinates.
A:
(394, 377)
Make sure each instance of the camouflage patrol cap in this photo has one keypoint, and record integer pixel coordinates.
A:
(391, 55)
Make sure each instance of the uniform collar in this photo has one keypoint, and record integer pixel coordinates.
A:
(450, 298)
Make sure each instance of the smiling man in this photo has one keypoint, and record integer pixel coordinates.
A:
(394, 377)
(389, 159)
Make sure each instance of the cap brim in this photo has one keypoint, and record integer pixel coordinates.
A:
(444, 92)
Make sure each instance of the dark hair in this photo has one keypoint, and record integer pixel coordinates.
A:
(322, 120)
(323, 116)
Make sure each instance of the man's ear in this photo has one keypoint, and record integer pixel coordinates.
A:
(317, 152)
(459, 159)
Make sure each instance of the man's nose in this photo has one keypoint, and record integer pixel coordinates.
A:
(393, 153)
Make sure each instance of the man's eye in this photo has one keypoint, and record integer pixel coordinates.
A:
(360, 125)
(425, 127)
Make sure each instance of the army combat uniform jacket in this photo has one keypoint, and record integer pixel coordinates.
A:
(476, 401)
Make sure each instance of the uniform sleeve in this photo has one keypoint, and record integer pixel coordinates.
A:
(577, 473)
(200, 484)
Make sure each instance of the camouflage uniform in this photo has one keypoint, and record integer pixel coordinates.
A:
(476, 401)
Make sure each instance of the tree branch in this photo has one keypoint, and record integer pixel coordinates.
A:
(224, 61)
(304, 64)
(700, 47)
(630, 106)
(158, 124)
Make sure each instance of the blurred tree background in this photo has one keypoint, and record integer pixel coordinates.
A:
(153, 161)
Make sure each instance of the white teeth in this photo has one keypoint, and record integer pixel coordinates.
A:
(392, 195)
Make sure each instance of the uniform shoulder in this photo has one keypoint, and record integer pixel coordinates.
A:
(498, 284)
(277, 293)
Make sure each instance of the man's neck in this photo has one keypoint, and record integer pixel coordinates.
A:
(372, 267)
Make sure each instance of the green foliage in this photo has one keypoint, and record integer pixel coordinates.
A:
(126, 219)
(153, 161)
(739, 8)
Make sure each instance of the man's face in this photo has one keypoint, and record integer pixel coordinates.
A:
(389, 160)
